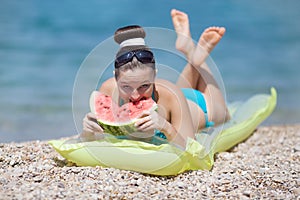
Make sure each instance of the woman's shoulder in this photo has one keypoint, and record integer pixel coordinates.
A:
(166, 85)
(108, 86)
(167, 88)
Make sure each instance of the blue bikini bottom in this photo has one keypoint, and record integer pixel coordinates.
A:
(197, 97)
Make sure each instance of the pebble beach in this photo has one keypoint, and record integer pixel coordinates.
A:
(265, 166)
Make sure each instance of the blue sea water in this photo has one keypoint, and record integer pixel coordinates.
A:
(44, 43)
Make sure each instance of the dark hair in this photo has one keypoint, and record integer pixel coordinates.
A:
(126, 33)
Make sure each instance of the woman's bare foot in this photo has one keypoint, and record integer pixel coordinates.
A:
(184, 42)
(208, 40)
(210, 37)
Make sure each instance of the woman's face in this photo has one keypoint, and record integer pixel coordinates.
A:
(136, 84)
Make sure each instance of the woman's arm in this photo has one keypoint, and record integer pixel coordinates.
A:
(91, 129)
(180, 116)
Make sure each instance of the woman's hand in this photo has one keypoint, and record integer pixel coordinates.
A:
(150, 120)
(90, 125)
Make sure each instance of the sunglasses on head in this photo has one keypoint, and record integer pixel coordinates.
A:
(144, 56)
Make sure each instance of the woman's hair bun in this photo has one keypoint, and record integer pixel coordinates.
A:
(129, 32)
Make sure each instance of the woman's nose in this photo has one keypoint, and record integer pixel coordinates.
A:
(135, 94)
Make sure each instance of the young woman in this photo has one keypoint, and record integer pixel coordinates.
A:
(194, 103)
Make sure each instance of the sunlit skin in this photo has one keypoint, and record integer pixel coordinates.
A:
(137, 84)
(196, 73)
(184, 43)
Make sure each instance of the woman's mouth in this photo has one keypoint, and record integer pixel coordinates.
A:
(136, 101)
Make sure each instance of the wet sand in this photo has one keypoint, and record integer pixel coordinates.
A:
(265, 166)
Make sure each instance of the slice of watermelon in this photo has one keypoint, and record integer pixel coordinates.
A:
(117, 120)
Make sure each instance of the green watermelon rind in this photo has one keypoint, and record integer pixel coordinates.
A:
(118, 129)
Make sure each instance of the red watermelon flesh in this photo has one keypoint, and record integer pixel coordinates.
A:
(114, 119)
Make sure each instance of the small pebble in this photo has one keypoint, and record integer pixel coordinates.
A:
(297, 147)
(247, 193)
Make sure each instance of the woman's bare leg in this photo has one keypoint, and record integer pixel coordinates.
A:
(184, 42)
(216, 105)
(196, 73)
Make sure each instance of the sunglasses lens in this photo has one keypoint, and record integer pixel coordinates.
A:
(123, 59)
(145, 56)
